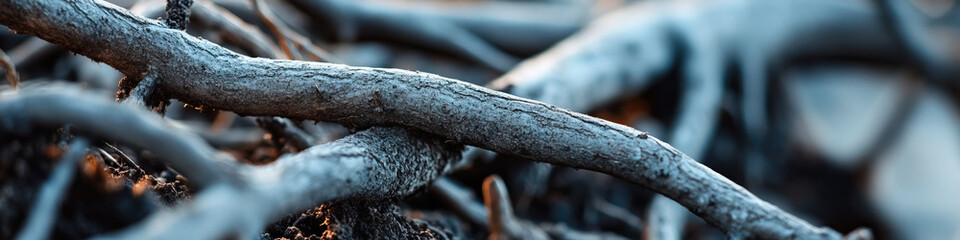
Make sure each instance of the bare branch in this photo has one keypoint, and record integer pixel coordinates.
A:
(178, 13)
(504, 225)
(378, 163)
(267, 17)
(232, 29)
(195, 71)
(44, 212)
(352, 20)
(933, 52)
(28, 108)
(12, 77)
(287, 37)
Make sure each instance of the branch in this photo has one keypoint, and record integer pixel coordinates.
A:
(461, 200)
(521, 29)
(42, 218)
(378, 163)
(12, 77)
(353, 20)
(231, 28)
(196, 71)
(29, 108)
(933, 52)
(178, 13)
(284, 128)
(504, 225)
(286, 36)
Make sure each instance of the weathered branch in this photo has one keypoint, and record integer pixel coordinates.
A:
(12, 77)
(378, 163)
(353, 20)
(915, 32)
(504, 225)
(22, 111)
(232, 29)
(44, 213)
(287, 37)
(461, 200)
(202, 73)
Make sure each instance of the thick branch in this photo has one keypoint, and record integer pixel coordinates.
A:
(200, 72)
(378, 163)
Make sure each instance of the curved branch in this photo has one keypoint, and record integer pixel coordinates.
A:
(196, 71)
(378, 163)
(96, 116)
(42, 218)
(12, 77)
(232, 29)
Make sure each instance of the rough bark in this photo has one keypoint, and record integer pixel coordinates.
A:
(378, 163)
(202, 73)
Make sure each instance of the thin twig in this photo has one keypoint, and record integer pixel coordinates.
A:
(461, 200)
(12, 77)
(504, 225)
(195, 72)
(231, 28)
(189, 154)
(501, 222)
(378, 163)
(106, 156)
(286, 36)
(44, 212)
(284, 128)
(267, 17)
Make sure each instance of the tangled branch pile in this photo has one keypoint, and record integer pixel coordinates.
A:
(305, 148)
